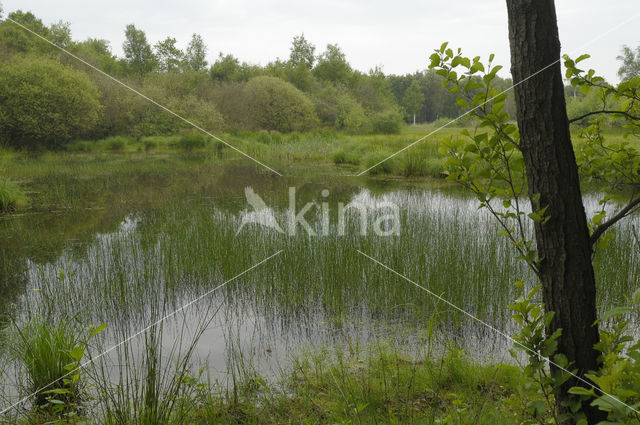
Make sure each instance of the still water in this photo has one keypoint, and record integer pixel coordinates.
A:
(129, 265)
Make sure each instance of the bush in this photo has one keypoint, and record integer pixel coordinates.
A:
(149, 143)
(11, 196)
(116, 143)
(45, 103)
(189, 142)
(274, 104)
(337, 107)
(387, 122)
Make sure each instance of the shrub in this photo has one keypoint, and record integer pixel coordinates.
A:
(11, 196)
(337, 107)
(149, 144)
(115, 143)
(45, 103)
(190, 141)
(387, 122)
(274, 104)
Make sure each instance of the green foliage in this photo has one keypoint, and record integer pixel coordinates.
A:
(371, 159)
(619, 375)
(51, 355)
(413, 99)
(194, 57)
(614, 167)
(98, 53)
(137, 51)
(277, 105)
(345, 157)
(227, 68)
(80, 146)
(168, 55)
(413, 165)
(488, 162)
(333, 66)
(17, 39)
(302, 52)
(44, 103)
(115, 143)
(532, 339)
(190, 142)
(11, 196)
(387, 122)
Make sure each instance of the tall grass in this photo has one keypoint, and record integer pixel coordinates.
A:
(47, 352)
(11, 196)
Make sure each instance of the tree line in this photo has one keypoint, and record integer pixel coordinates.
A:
(48, 98)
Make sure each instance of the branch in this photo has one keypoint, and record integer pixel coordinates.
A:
(613, 220)
(626, 114)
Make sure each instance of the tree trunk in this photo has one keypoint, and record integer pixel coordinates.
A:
(414, 119)
(563, 244)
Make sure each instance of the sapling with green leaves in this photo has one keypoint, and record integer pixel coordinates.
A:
(488, 160)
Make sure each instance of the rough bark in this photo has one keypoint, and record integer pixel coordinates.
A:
(562, 242)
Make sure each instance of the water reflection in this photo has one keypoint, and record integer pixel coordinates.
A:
(131, 264)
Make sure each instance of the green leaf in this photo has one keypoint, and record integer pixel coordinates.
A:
(538, 407)
(98, 329)
(435, 60)
(582, 391)
(615, 312)
(582, 57)
(77, 353)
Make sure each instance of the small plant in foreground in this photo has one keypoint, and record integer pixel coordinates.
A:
(51, 355)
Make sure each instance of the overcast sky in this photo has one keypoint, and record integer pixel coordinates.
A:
(397, 35)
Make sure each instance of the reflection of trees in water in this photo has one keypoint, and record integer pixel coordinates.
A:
(12, 281)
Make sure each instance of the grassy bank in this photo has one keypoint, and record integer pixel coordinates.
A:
(384, 387)
(291, 154)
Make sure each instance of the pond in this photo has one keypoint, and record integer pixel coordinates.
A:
(240, 286)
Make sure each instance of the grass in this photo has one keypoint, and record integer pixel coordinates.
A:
(11, 196)
(381, 387)
(46, 352)
(144, 228)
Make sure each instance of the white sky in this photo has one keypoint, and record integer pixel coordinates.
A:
(398, 35)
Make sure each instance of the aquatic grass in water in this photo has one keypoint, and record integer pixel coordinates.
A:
(319, 291)
(11, 196)
(47, 353)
